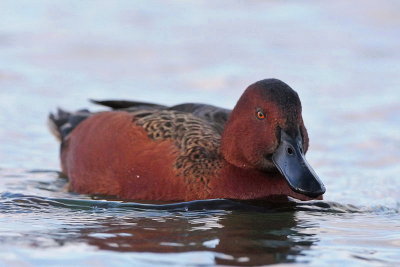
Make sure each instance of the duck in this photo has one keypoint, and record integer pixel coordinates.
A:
(151, 152)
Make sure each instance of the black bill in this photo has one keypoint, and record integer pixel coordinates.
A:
(290, 160)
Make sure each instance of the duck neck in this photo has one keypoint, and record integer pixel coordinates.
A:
(232, 145)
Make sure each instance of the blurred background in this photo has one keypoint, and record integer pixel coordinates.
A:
(342, 57)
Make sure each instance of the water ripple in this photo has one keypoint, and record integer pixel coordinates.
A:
(12, 201)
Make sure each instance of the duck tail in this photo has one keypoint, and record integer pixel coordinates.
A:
(62, 122)
(56, 121)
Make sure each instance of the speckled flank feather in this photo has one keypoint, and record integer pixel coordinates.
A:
(197, 140)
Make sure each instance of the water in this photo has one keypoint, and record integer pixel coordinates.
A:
(341, 57)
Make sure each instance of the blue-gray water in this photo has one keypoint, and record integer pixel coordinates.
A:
(342, 57)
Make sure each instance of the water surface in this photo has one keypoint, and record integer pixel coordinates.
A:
(342, 58)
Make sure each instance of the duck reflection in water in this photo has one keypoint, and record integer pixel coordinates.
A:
(236, 237)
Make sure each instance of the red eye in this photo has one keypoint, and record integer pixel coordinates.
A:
(260, 115)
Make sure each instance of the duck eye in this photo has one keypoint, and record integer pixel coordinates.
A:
(260, 115)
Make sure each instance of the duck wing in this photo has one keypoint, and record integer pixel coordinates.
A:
(216, 116)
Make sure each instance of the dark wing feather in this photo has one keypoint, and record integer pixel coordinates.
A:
(124, 104)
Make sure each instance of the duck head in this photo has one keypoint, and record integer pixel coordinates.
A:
(266, 132)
